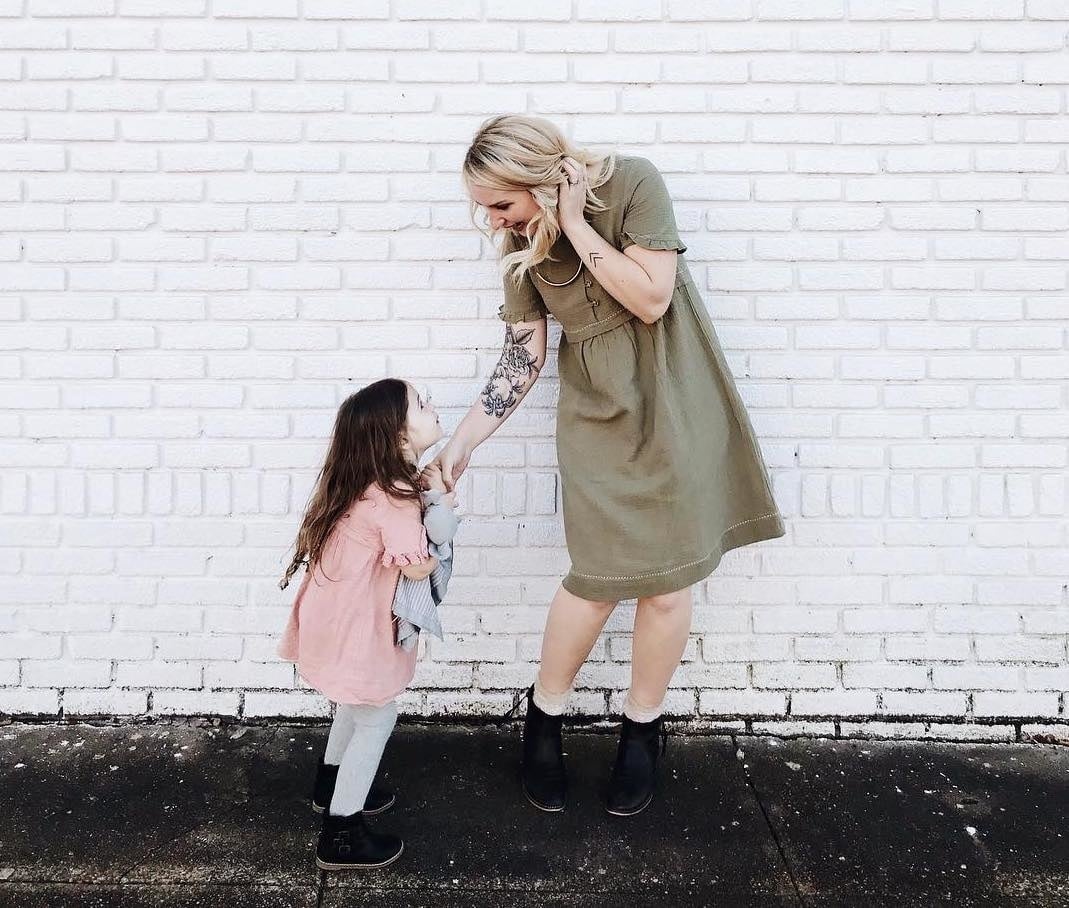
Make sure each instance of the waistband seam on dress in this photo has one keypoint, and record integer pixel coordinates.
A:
(579, 333)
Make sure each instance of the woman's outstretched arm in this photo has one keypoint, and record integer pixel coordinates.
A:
(518, 368)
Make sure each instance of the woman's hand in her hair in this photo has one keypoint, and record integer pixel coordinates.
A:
(571, 194)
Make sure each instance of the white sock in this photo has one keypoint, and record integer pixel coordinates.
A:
(638, 713)
(551, 704)
(341, 731)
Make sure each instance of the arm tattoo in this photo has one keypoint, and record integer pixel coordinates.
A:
(594, 256)
(510, 375)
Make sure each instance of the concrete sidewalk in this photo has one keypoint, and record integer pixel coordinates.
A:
(181, 814)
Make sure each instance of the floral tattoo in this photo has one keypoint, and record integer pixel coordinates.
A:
(510, 375)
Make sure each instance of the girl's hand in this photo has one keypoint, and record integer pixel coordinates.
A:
(431, 477)
(420, 571)
(571, 194)
(453, 459)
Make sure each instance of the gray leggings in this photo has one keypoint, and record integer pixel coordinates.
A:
(357, 738)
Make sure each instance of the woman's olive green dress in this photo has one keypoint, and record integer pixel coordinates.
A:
(660, 470)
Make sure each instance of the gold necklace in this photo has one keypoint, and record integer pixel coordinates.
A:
(553, 283)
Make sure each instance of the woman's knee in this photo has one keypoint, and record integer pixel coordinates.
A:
(666, 603)
(592, 605)
(601, 608)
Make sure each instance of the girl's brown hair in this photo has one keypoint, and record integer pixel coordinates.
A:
(366, 448)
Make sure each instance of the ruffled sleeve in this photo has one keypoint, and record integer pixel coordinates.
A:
(649, 220)
(523, 303)
(404, 538)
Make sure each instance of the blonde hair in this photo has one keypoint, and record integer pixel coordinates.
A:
(515, 151)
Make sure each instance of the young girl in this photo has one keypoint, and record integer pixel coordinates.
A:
(362, 530)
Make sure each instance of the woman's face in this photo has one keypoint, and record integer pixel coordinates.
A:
(508, 209)
(423, 427)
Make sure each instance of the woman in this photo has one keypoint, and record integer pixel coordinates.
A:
(660, 470)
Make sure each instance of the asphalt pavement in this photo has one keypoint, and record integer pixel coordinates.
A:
(196, 813)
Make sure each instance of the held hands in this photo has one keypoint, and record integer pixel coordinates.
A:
(450, 464)
(432, 478)
(571, 194)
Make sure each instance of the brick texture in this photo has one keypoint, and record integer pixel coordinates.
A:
(219, 219)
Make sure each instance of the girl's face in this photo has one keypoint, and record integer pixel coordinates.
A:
(423, 427)
(507, 209)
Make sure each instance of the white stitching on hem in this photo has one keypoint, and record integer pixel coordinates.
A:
(678, 567)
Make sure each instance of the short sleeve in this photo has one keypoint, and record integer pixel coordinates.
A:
(523, 303)
(404, 538)
(648, 219)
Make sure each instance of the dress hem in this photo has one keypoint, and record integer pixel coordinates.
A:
(770, 526)
(339, 695)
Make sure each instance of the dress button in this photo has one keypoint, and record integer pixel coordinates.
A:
(590, 283)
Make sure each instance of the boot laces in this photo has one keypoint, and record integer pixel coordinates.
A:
(519, 698)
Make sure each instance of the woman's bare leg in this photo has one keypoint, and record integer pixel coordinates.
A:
(572, 627)
(662, 624)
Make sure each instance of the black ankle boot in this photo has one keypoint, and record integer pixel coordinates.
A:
(379, 798)
(346, 843)
(635, 771)
(543, 778)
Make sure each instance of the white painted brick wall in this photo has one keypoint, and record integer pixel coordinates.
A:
(220, 217)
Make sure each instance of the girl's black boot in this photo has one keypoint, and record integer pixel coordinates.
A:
(379, 798)
(634, 774)
(346, 843)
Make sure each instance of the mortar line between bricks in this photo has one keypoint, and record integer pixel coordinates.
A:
(771, 828)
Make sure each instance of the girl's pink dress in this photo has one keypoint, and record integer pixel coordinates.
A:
(341, 630)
